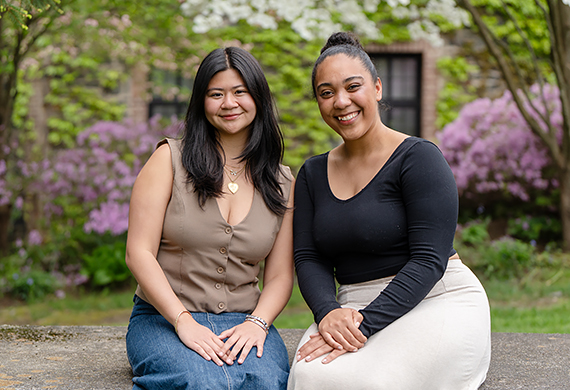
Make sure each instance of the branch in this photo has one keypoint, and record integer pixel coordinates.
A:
(526, 91)
(545, 118)
(548, 138)
(35, 36)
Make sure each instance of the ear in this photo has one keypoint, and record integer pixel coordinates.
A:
(378, 87)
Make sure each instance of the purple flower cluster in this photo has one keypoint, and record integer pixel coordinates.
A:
(98, 174)
(491, 148)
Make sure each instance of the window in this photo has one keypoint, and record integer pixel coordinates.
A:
(170, 92)
(401, 90)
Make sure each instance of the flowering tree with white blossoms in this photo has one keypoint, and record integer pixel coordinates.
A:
(318, 19)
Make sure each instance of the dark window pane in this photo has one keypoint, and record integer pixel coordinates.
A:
(401, 81)
(404, 78)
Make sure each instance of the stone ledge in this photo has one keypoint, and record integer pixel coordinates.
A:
(94, 357)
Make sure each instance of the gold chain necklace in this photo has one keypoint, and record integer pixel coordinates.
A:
(233, 175)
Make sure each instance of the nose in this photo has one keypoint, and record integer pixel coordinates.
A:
(229, 101)
(341, 100)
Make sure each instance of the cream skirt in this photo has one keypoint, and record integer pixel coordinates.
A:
(444, 343)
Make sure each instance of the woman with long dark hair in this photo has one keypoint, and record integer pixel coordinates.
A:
(205, 211)
(378, 213)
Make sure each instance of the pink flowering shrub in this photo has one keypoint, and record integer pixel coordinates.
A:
(494, 154)
(91, 183)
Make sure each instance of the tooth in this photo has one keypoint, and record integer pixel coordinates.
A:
(347, 117)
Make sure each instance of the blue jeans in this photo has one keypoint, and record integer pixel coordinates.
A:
(161, 361)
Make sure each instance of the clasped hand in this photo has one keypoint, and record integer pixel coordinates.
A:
(338, 333)
(242, 337)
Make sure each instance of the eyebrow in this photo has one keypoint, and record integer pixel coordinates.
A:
(346, 80)
(221, 89)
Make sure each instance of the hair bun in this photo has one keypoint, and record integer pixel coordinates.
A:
(342, 38)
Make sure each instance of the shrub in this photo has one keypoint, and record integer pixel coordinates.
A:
(106, 264)
(474, 233)
(534, 229)
(34, 284)
(494, 154)
(507, 258)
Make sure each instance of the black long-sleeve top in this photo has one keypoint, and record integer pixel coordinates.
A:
(402, 223)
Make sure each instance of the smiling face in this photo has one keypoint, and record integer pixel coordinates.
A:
(228, 105)
(347, 96)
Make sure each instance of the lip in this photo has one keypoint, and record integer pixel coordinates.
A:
(230, 117)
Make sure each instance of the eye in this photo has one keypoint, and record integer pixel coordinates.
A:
(325, 94)
(241, 92)
(353, 87)
(215, 95)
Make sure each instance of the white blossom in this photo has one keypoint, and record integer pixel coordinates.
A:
(313, 18)
(449, 10)
(426, 30)
(263, 20)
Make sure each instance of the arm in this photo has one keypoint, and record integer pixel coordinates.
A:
(315, 274)
(149, 199)
(430, 198)
(277, 286)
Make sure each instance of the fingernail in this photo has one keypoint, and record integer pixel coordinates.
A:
(357, 324)
(308, 358)
(339, 347)
(325, 361)
(298, 357)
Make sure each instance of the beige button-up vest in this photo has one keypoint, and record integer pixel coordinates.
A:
(211, 265)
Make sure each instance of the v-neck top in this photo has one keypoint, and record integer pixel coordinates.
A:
(213, 266)
(401, 223)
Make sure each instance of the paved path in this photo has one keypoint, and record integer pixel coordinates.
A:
(93, 357)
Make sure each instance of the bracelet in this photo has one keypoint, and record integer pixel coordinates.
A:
(258, 321)
(177, 318)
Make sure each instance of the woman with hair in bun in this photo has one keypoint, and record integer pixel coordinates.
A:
(379, 214)
(205, 211)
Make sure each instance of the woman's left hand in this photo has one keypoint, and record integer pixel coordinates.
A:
(242, 337)
(339, 329)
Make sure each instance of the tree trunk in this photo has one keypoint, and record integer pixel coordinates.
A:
(565, 208)
(5, 211)
(560, 19)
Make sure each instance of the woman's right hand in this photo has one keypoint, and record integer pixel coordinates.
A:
(200, 339)
(339, 329)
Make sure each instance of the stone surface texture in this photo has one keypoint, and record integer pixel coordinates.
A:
(94, 357)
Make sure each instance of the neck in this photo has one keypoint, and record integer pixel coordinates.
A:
(232, 147)
(366, 145)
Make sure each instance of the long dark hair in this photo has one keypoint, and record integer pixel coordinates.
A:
(264, 150)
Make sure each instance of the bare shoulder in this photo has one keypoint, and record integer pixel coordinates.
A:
(158, 168)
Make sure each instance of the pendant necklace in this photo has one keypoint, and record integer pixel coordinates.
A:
(233, 175)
